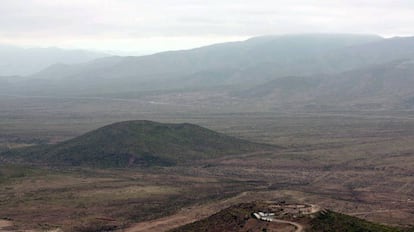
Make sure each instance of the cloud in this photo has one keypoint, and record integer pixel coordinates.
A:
(63, 21)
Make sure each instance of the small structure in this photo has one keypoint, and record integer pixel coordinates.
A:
(268, 217)
(276, 210)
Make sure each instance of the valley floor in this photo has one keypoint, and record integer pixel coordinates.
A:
(358, 163)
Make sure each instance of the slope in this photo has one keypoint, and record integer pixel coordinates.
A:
(239, 218)
(237, 63)
(382, 86)
(137, 143)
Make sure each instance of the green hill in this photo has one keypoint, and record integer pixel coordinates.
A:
(136, 143)
(331, 221)
(234, 218)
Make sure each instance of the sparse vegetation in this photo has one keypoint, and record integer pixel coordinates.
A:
(73, 199)
(331, 222)
(97, 142)
(354, 164)
(231, 219)
(239, 218)
(132, 143)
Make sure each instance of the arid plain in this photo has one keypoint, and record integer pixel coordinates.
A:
(359, 163)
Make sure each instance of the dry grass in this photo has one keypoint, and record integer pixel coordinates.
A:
(358, 162)
(130, 192)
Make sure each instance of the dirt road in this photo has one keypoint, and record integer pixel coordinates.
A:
(4, 224)
(159, 224)
(187, 215)
(197, 212)
(299, 227)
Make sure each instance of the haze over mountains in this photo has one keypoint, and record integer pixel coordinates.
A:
(329, 117)
(17, 61)
(294, 71)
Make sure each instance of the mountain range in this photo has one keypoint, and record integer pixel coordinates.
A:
(19, 61)
(295, 71)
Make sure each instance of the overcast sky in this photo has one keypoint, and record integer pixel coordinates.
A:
(156, 25)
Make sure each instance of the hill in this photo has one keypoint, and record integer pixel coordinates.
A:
(381, 86)
(387, 85)
(331, 221)
(137, 143)
(240, 218)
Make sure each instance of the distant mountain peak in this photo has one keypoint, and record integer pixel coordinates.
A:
(26, 61)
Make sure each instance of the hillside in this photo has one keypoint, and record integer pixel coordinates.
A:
(311, 71)
(240, 218)
(382, 86)
(331, 221)
(235, 63)
(374, 53)
(136, 143)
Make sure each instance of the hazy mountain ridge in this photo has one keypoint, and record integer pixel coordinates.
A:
(386, 85)
(298, 71)
(237, 63)
(26, 61)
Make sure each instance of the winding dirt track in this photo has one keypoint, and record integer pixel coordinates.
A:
(167, 223)
(195, 213)
(299, 227)
(4, 224)
(161, 224)
(186, 215)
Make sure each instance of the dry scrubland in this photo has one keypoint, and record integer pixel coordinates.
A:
(358, 163)
(87, 199)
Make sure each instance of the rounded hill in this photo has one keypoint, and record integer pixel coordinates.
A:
(139, 143)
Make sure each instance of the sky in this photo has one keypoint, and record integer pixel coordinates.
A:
(146, 26)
